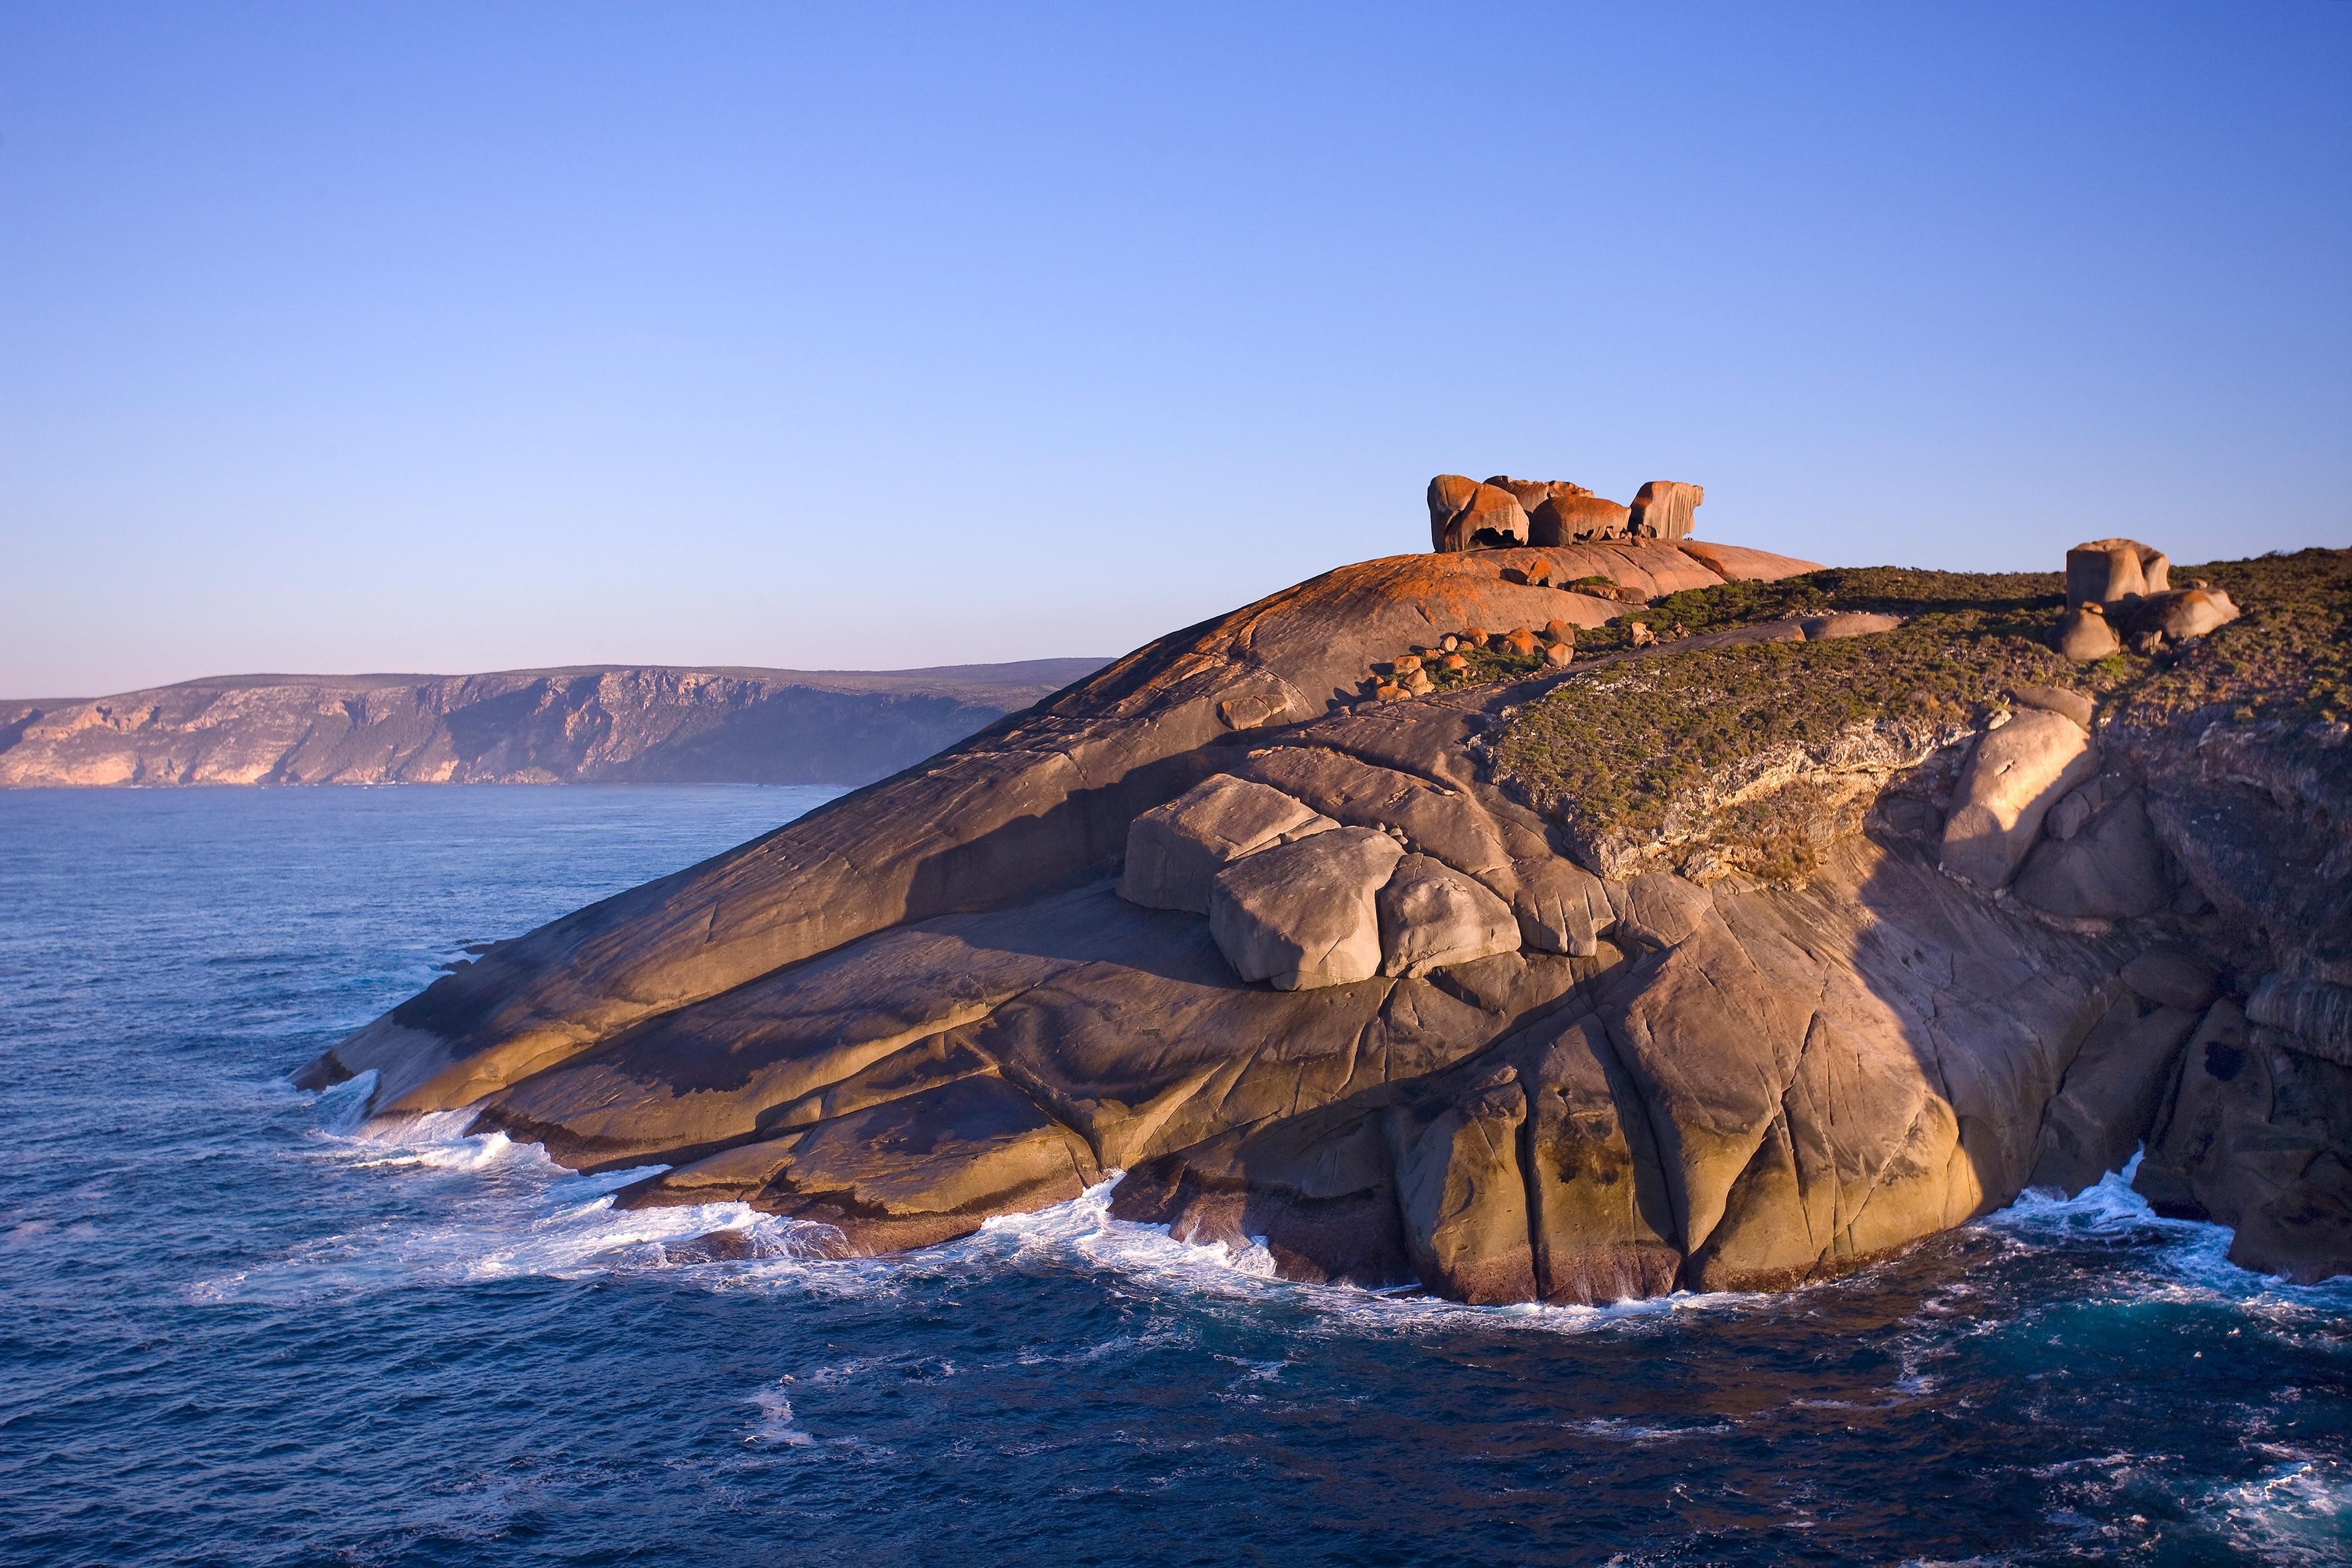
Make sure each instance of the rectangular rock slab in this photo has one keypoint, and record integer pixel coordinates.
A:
(1175, 851)
(1302, 915)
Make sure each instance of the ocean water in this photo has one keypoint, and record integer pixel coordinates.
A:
(235, 1328)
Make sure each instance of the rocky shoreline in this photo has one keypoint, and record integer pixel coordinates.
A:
(1422, 949)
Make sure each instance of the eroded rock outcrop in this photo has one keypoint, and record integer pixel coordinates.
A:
(1664, 509)
(1294, 958)
(1467, 515)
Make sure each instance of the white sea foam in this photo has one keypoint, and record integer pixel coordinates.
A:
(484, 1207)
(1617, 1428)
(775, 1423)
(2194, 1253)
(502, 1209)
(1082, 1233)
(2299, 1512)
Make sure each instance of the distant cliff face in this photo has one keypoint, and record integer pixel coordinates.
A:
(592, 725)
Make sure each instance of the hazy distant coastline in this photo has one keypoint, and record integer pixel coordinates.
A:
(580, 724)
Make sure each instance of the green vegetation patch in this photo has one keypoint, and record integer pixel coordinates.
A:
(2288, 657)
(1610, 750)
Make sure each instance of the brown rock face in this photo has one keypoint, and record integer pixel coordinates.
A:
(1411, 1038)
(1664, 509)
(2108, 868)
(1467, 515)
(1433, 917)
(1533, 493)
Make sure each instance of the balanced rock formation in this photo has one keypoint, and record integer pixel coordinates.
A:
(1464, 514)
(1306, 968)
(2119, 593)
(1664, 509)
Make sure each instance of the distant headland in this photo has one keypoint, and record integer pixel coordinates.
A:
(580, 725)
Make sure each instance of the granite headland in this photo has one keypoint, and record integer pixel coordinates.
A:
(1576, 911)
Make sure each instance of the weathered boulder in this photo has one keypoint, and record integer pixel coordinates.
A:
(1533, 493)
(2107, 869)
(1175, 851)
(1467, 515)
(1432, 915)
(2085, 634)
(1663, 508)
(1560, 905)
(1576, 520)
(2110, 570)
(2012, 778)
(1302, 914)
(2179, 615)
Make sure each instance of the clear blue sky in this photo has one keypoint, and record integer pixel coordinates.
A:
(460, 337)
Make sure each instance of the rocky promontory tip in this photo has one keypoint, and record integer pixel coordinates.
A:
(1555, 922)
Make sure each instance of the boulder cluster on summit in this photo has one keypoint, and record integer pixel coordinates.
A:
(1501, 512)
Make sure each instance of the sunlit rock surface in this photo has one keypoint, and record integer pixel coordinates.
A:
(1470, 1059)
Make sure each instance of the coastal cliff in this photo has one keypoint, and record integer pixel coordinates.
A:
(596, 724)
(1562, 922)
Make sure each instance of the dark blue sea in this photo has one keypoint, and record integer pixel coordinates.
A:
(237, 1329)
